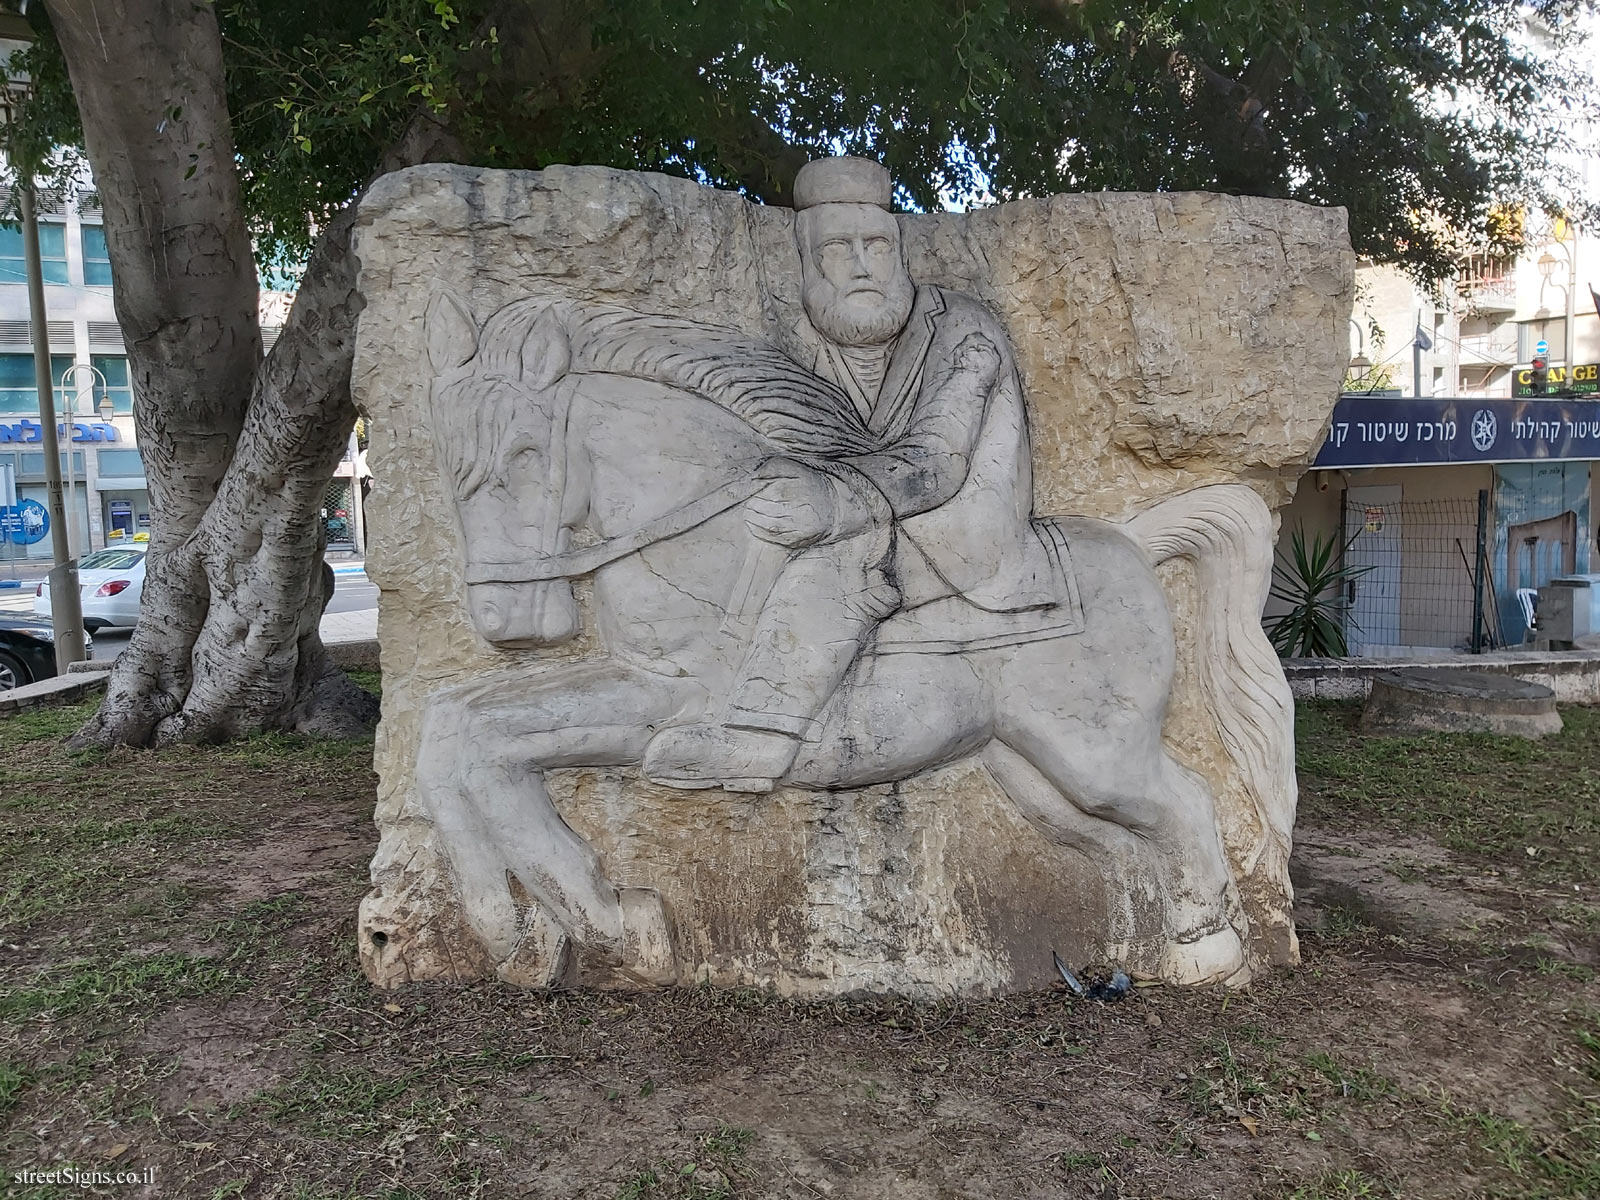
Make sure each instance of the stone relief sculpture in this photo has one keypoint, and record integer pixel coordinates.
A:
(815, 570)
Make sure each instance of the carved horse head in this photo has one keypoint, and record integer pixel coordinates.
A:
(499, 416)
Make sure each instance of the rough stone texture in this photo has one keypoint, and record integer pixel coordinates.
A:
(1165, 343)
(1456, 701)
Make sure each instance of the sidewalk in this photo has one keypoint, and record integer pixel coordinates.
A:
(359, 626)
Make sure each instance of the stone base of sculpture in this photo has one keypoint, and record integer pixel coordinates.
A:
(719, 641)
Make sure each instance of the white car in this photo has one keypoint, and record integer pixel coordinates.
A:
(111, 580)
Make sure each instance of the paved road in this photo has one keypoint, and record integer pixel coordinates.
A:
(351, 593)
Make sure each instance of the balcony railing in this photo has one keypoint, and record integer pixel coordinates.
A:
(1487, 281)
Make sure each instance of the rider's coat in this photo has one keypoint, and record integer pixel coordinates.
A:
(946, 452)
(953, 462)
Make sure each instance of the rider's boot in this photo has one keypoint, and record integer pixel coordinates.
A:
(708, 755)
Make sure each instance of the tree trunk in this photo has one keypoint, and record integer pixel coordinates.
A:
(238, 452)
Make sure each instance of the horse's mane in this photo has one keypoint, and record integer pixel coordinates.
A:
(471, 416)
(783, 401)
(790, 406)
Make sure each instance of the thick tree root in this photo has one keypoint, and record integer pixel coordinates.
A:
(333, 707)
(143, 709)
(337, 708)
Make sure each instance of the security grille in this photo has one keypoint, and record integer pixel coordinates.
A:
(1424, 576)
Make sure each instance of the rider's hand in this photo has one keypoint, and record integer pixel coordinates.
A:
(795, 509)
(977, 356)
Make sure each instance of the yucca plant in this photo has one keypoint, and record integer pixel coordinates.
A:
(1312, 581)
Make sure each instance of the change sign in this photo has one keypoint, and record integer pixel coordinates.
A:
(1585, 380)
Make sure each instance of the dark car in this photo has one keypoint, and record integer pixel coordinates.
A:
(27, 650)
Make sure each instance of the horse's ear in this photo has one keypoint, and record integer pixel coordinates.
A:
(452, 332)
(546, 353)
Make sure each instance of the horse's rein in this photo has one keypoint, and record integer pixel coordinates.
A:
(572, 563)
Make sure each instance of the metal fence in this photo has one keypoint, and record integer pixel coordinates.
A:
(1425, 575)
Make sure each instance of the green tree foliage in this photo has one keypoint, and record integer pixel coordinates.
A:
(1417, 117)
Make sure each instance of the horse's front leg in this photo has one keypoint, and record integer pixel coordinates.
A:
(480, 775)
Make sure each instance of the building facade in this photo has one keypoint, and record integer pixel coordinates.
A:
(1455, 494)
(107, 497)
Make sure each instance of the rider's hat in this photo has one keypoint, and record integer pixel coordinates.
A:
(843, 180)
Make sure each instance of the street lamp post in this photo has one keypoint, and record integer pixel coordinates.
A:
(69, 409)
(66, 606)
(1548, 264)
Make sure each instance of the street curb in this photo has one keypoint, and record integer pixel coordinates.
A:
(63, 689)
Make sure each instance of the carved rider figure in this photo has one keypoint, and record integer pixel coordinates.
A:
(932, 517)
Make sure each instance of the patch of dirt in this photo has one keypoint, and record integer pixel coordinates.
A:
(222, 1053)
(1394, 883)
(198, 1009)
(301, 851)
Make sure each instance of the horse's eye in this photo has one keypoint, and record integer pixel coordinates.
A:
(527, 459)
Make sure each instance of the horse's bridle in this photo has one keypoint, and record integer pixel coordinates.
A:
(571, 563)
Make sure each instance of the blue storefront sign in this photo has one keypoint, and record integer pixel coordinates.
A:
(1381, 431)
(27, 432)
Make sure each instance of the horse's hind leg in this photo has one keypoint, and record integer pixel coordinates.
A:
(480, 776)
(1113, 768)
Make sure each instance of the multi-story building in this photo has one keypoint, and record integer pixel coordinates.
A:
(1456, 494)
(1485, 327)
(107, 497)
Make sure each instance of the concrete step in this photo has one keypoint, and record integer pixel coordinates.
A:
(63, 689)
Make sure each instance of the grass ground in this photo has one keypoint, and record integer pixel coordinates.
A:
(178, 992)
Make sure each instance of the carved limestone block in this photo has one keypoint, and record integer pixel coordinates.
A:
(833, 599)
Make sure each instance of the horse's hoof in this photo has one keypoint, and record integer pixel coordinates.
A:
(647, 952)
(1212, 958)
(682, 785)
(543, 957)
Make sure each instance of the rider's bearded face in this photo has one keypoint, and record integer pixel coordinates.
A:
(857, 291)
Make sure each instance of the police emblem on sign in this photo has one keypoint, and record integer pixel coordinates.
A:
(1484, 430)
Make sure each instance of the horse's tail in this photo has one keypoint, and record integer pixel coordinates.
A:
(1226, 531)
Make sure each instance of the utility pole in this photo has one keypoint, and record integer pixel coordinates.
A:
(1572, 309)
(1419, 343)
(66, 606)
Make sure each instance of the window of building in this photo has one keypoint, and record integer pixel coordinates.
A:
(52, 253)
(30, 464)
(18, 393)
(96, 258)
(121, 464)
(119, 385)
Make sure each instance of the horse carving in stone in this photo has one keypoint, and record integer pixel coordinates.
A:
(566, 459)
